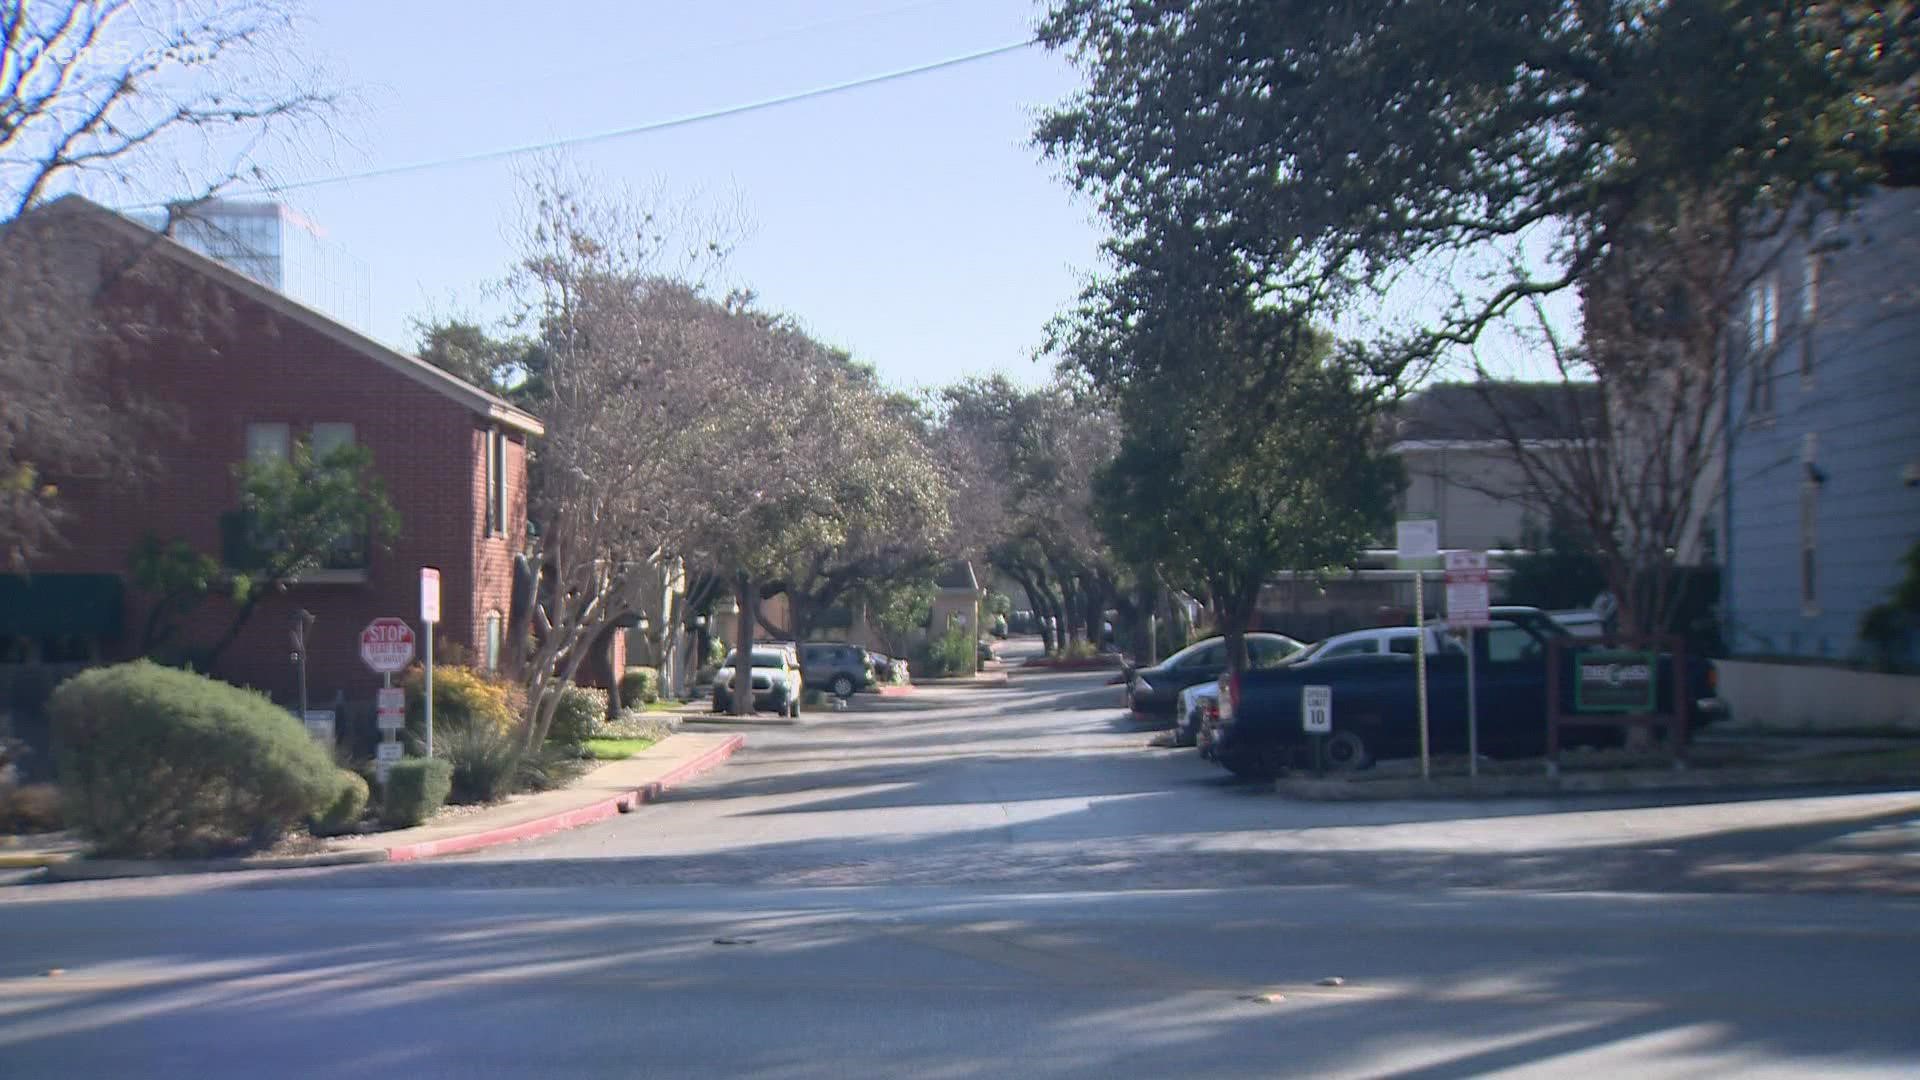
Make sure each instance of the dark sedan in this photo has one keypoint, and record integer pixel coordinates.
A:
(1154, 692)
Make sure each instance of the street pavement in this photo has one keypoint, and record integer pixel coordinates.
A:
(1010, 882)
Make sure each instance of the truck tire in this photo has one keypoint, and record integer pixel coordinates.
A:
(1346, 752)
(842, 686)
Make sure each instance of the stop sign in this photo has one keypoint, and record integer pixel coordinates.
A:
(387, 645)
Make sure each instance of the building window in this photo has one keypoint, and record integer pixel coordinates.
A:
(493, 641)
(496, 482)
(1763, 335)
(328, 437)
(269, 442)
(1809, 313)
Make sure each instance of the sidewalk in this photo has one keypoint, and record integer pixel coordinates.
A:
(609, 789)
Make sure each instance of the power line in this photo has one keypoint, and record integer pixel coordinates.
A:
(642, 129)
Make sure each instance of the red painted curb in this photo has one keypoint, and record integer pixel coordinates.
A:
(895, 691)
(570, 819)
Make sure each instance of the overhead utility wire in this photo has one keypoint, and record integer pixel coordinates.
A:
(643, 129)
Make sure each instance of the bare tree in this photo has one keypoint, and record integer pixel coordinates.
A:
(138, 100)
(630, 353)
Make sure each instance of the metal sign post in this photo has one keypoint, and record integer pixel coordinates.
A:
(1420, 668)
(1418, 541)
(1467, 609)
(429, 614)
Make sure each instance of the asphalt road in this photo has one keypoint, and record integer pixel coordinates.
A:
(992, 883)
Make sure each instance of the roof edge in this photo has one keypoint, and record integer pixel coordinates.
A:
(479, 401)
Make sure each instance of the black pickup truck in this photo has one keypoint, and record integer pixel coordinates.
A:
(1376, 711)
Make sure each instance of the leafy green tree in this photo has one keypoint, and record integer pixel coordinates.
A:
(899, 609)
(297, 514)
(1271, 462)
(1305, 148)
(1652, 156)
(511, 366)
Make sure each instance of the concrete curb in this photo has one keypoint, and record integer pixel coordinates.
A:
(102, 869)
(1624, 780)
(569, 819)
(99, 869)
(729, 720)
(32, 860)
(991, 678)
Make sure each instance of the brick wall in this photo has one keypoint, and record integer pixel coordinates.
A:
(255, 365)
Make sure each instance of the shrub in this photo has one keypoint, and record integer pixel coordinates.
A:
(462, 698)
(349, 803)
(1079, 650)
(29, 808)
(416, 787)
(640, 686)
(156, 762)
(580, 708)
(551, 766)
(485, 763)
(952, 653)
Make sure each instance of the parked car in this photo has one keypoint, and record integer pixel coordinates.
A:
(1378, 641)
(777, 682)
(1258, 730)
(836, 666)
(1153, 693)
(1200, 703)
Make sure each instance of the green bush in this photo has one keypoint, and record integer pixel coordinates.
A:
(551, 766)
(950, 654)
(416, 787)
(159, 762)
(579, 710)
(485, 763)
(463, 698)
(640, 686)
(348, 804)
(1079, 650)
(29, 808)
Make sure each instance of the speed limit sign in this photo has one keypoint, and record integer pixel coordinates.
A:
(1316, 709)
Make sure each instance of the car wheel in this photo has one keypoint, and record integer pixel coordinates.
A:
(843, 686)
(1346, 752)
(1185, 734)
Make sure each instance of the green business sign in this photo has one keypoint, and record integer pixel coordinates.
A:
(1613, 680)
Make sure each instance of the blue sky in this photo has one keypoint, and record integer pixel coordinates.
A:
(912, 222)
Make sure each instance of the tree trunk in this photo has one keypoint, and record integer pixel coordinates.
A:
(513, 651)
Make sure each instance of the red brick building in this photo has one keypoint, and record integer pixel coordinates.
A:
(261, 374)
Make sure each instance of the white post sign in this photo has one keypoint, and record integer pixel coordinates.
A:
(392, 714)
(1417, 538)
(429, 614)
(1316, 709)
(1467, 591)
